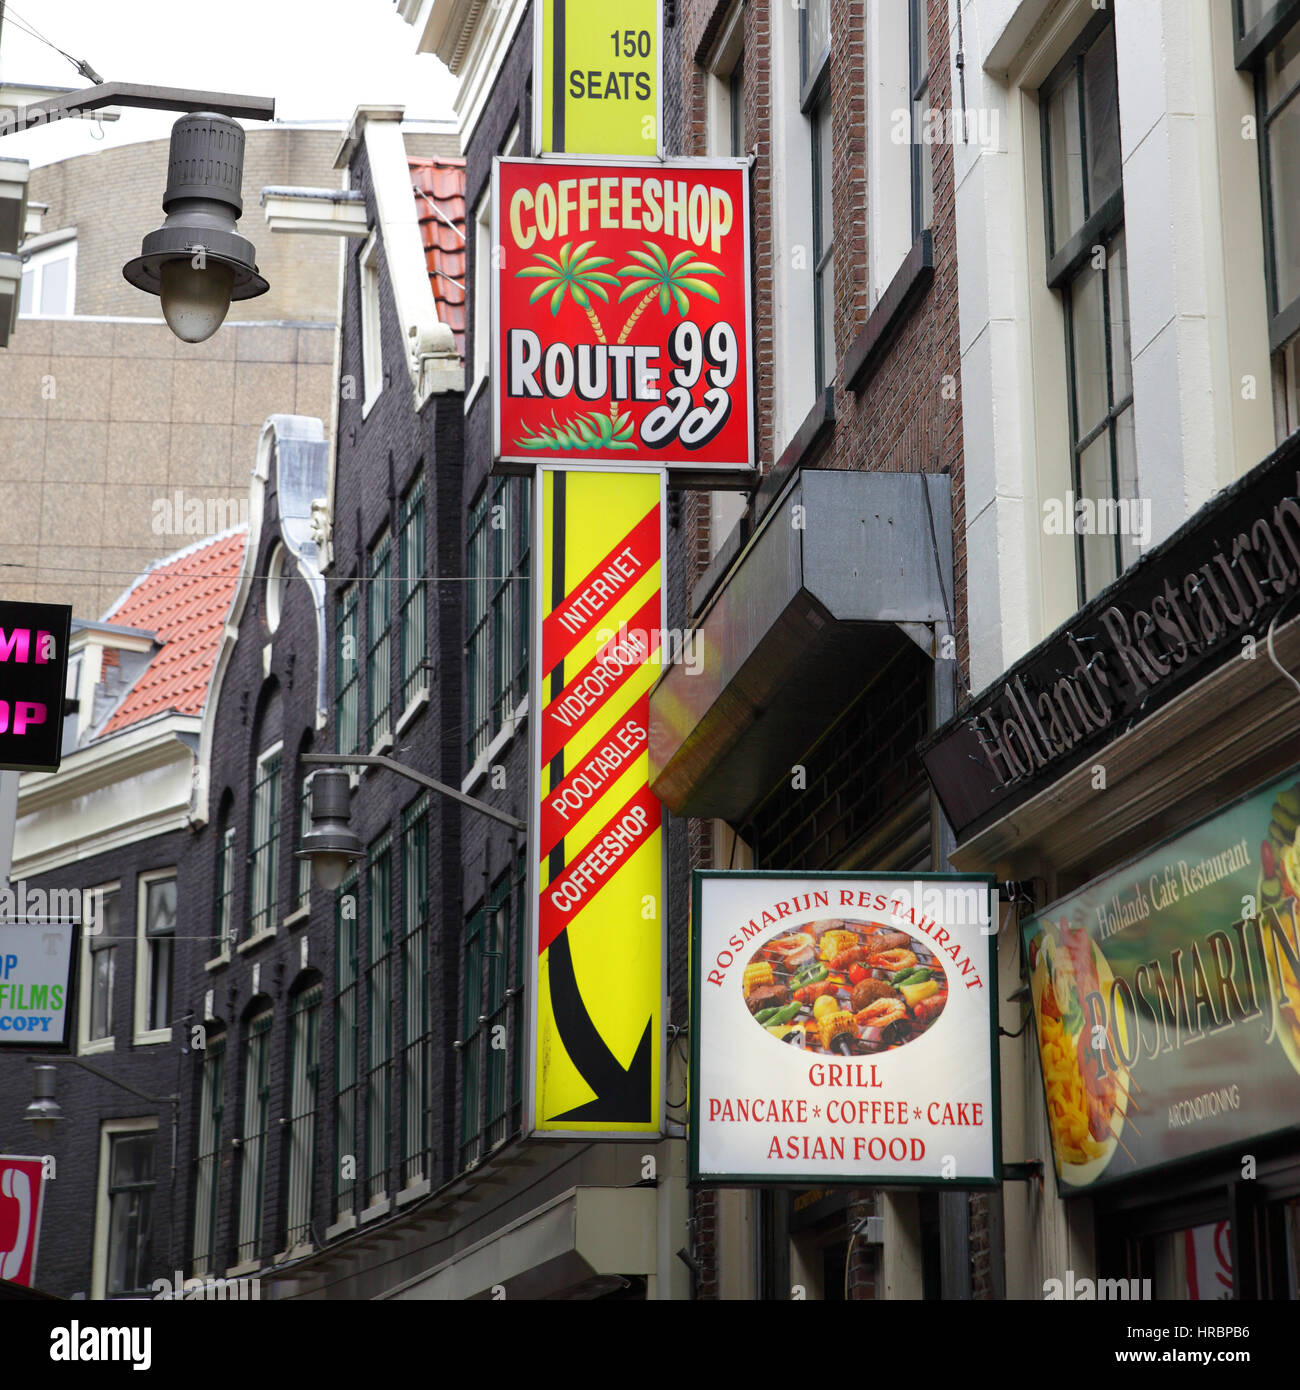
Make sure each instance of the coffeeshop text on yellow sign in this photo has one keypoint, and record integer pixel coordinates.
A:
(596, 82)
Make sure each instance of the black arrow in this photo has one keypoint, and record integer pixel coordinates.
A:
(623, 1095)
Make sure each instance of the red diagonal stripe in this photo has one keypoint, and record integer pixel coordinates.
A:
(564, 806)
(583, 607)
(597, 862)
(597, 681)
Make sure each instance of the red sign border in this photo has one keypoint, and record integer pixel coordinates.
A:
(736, 474)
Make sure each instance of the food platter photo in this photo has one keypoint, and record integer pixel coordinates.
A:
(1087, 1096)
(844, 987)
(1279, 886)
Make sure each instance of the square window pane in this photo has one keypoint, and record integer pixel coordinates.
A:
(1065, 155)
(101, 1000)
(920, 43)
(158, 1012)
(1252, 11)
(160, 907)
(1101, 114)
(1126, 471)
(1088, 338)
(54, 287)
(1284, 202)
(815, 35)
(26, 293)
(1121, 351)
(1099, 566)
(1282, 68)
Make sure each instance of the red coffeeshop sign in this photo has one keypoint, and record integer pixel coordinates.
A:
(621, 313)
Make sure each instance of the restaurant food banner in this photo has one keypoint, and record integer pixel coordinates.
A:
(1167, 997)
(843, 1029)
(621, 314)
(597, 1031)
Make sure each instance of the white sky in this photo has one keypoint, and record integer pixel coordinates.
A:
(320, 59)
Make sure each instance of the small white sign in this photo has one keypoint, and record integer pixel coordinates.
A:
(844, 1029)
(35, 982)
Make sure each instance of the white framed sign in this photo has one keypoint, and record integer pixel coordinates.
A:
(844, 1029)
(36, 985)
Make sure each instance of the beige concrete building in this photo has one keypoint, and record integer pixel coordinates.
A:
(119, 443)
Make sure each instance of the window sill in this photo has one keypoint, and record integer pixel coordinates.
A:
(297, 917)
(413, 1191)
(346, 1222)
(383, 744)
(255, 941)
(408, 714)
(217, 962)
(884, 321)
(152, 1037)
(294, 1252)
(244, 1270)
(502, 737)
(94, 1045)
(377, 1209)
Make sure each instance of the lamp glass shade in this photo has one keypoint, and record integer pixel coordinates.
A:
(330, 869)
(195, 301)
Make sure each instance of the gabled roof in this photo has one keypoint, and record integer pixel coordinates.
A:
(184, 600)
(439, 184)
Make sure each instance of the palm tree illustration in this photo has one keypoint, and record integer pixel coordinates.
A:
(578, 275)
(672, 282)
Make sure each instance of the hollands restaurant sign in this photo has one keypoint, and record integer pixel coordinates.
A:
(1183, 609)
(1167, 996)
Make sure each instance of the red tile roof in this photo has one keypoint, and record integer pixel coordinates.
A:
(184, 600)
(440, 200)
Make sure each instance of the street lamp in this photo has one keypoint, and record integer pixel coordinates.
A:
(196, 262)
(44, 1111)
(331, 845)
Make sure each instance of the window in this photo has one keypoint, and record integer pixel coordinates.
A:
(347, 683)
(493, 954)
(919, 83)
(207, 1162)
(345, 1046)
(277, 586)
(815, 101)
(264, 856)
(415, 991)
(379, 666)
(497, 648)
(379, 1016)
(252, 1146)
(1088, 265)
(1269, 44)
(414, 592)
(304, 825)
(124, 1254)
(372, 365)
(155, 942)
(223, 921)
(49, 288)
(99, 963)
(736, 109)
(477, 652)
(304, 1075)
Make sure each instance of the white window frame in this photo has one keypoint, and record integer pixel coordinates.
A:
(270, 929)
(86, 1045)
(144, 1124)
(35, 266)
(372, 357)
(482, 295)
(145, 1037)
(728, 52)
(889, 160)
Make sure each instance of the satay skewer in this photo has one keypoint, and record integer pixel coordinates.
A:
(1123, 1146)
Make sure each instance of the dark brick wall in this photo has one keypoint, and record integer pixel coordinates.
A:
(907, 418)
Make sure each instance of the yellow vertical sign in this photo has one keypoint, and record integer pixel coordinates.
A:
(596, 84)
(597, 835)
